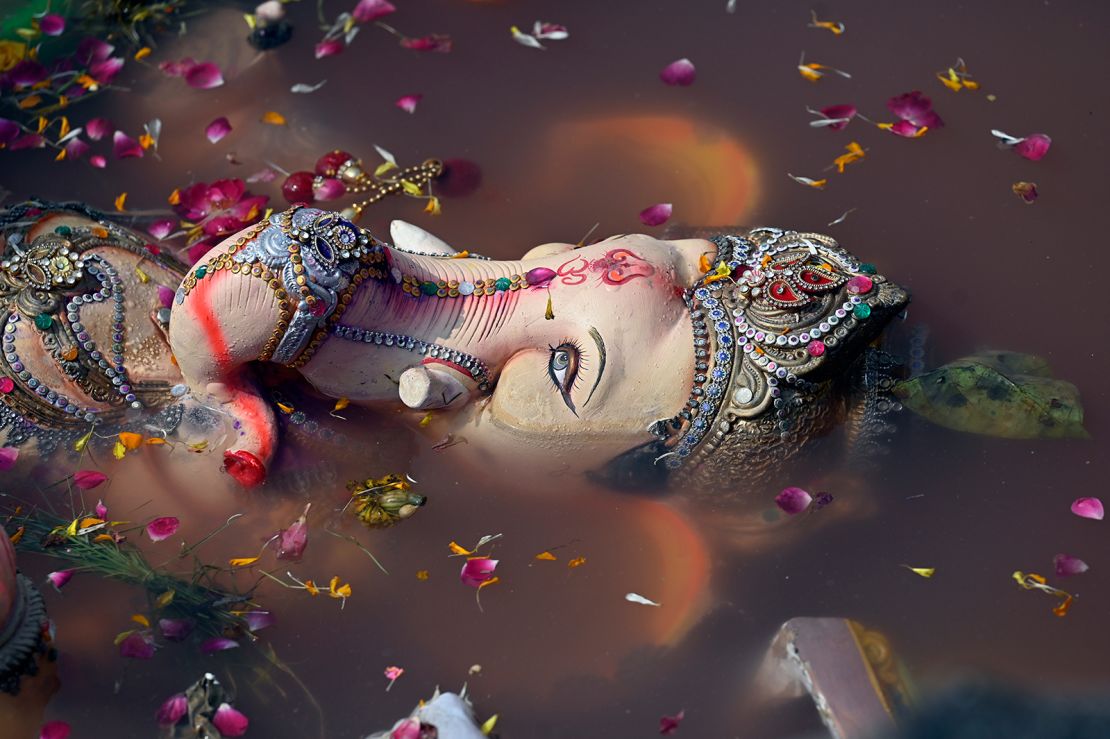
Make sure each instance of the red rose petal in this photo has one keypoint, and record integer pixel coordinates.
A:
(162, 528)
(88, 479)
(408, 103)
(368, 11)
(98, 128)
(329, 47)
(173, 710)
(477, 570)
(246, 468)
(124, 147)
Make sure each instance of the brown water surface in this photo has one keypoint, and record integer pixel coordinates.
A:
(585, 132)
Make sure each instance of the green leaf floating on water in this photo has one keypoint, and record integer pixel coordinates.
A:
(1003, 394)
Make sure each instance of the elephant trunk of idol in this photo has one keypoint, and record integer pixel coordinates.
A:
(454, 343)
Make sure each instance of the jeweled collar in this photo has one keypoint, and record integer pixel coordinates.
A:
(777, 305)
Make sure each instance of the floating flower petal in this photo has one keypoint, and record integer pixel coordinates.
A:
(813, 71)
(230, 722)
(669, 724)
(656, 215)
(925, 572)
(1034, 146)
(123, 146)
(245, 468)
(329, 47)
(59, 578)
(173, 710)
(258, 620)
(54, 730)
(637, 598)
(477, 570)
(408, 103)
(8, 457)
(1067, 565)
(549, 31)
(176, 629)
(833, 117)
(680, 72)
(98, 161)
(137, 645)
(809, 182)
(218, 644)
(835, 27)
(1088, 508)
(855, 153)
(217, 129)
(52, 24)
(793, 501)
(162, 528)
(915, 107)
(292, 541)
(368, 11)
(436, 42)
(98, 128)
(525, 39)
(204, 76)
(273, 118)
(1027, 191)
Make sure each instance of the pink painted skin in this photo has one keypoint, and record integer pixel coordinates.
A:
(621, 296)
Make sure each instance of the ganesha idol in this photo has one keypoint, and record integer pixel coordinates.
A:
(634, 360)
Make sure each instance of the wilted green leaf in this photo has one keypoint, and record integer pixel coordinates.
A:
(1003, 394)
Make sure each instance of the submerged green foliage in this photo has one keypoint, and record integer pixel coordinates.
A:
(995, 393)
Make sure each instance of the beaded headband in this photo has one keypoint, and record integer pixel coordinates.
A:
(773, 312)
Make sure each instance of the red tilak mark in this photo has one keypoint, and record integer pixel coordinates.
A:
(200, 300)
(253, 413)
(573, 272)
(621, 265)
(457, 367)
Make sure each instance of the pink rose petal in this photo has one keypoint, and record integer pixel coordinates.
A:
(204, 76)
(92, 49)
(218, 644)
(98, 128)
(437, 42)
(54, 730)
(680, 73)
(52, 24)
(907, 129)
(217, 129)
(329, 47)
(1067, 565)
(407, 729)
(98, 161)
(1088, 508)
(123, 146)
(841, 114)
(477, 570)
(230, 722)
(165, 296)
(173, 710)
(1034, 146)
(76, 148)
(368, 11)
(59, 578)
(291, 541)
(101, 510)
(916, 108)
(88, 479)
(793, 500)
(27, 141)
(162, 528)
(176, 629)
(656, 215)
(669, 724)
(408, 103)
(258, 620)
(137, 645)
(162, 228)
(105, 71)
(8, 457)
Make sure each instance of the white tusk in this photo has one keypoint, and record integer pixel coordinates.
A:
(415, 240)
(426, 387)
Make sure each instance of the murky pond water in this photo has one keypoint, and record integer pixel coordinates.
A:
(583, 133)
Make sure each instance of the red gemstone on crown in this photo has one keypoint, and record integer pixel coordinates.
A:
(329, 164)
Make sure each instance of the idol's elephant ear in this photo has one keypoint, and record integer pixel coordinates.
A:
(997, 393)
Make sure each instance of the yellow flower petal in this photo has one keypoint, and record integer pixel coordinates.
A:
(141, 620)
(174, 198)
(456, 549)
(341, 404)
(119, 450)
(273, 118)
(165, 598)
(311, 587)
(576, 562)
(121, 200)
(243, 561)
(383, 168)
(491, 722)
(142, 53)
(547, 556)
(411, 188)
(925, 572)
(422, 574)
(130, 440)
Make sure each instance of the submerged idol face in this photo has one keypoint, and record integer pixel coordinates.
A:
(561, 361)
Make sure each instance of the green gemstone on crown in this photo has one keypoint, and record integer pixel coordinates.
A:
(867, 268)
(502, 283)
(44, 321)
(861, 311)
(429, 288)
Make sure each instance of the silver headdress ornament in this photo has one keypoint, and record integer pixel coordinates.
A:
(778, 308)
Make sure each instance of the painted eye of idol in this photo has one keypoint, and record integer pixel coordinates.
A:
(562, 369)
